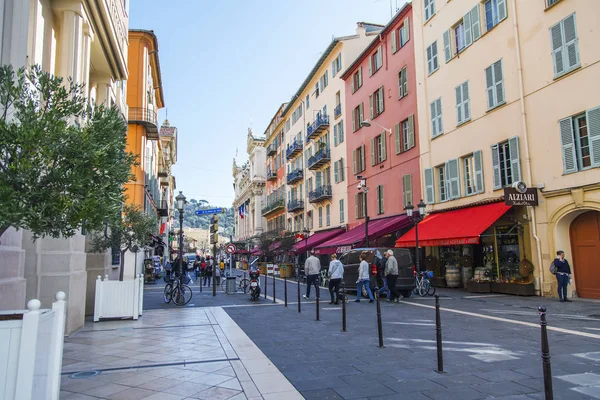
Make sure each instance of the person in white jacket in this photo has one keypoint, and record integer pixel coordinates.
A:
(363, 279)
(335, 273)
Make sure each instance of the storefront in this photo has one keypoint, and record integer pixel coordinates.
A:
(483, 248)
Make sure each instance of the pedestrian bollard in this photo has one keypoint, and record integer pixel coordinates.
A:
(285, 289)
(274, 301)
(343, 306)
(298, 278)
(317, 303)
(266, 275)
(438, 334)
(379, 325)
(546, 355)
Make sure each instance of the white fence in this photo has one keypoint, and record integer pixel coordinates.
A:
(119, 299)
(31, 351)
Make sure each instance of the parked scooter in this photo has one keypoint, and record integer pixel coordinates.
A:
(254, 284)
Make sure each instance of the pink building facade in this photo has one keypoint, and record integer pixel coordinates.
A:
(381, 92)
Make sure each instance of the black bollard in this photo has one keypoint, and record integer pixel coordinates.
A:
(285, 289)
(546, 355)
(317, 303)
(274, 301)
(379, 325)
(266, 275)
(438, 334)
(343, 306)
(298, 278)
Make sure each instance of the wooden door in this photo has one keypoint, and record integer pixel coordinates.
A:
(585, 243)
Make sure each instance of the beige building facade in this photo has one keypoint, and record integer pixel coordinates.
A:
(507, 92)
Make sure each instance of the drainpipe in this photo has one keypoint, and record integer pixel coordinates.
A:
(526, 142)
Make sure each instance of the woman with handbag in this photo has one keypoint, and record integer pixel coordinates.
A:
(561, 268)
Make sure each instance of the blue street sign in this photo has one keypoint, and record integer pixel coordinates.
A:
(210, 211)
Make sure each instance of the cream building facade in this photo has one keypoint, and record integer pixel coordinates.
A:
(507, 92)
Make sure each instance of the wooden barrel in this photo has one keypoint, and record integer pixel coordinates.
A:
(467, 274)
(452, 277)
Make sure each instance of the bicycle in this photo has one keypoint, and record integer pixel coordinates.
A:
(178, 292)
(240, 283)
(423, 285)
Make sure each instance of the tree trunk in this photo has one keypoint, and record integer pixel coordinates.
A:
(122, 269)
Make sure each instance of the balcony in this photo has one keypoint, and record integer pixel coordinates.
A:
(295, 176)
(293, 149)
(147, 118)
(162, 172)
(321, 158)
(163, 208)
(319, 194)
(271, 176)
(271, 149)
(273, 207)
(337, 111)
(295, 205)
(317, 127)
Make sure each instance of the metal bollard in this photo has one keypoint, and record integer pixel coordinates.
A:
(317, 303)
(266, 275)
(298, 278)
(546, 366)
(438, 334)
(343, 306)
(379, 325)
(274, 301)
(285, 289)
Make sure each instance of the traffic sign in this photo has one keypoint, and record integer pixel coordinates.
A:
(211, 211)
(230, 249)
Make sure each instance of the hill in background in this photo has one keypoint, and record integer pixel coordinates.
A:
(190, 219)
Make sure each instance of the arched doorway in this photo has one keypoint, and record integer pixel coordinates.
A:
(585, 245)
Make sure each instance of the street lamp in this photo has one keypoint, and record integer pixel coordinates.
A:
(367, 123)
(180, 199)
(362, 185)
(416, 218)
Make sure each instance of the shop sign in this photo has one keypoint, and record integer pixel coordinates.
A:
(520, 195)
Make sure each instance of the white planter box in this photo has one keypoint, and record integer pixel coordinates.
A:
(31, 350)
(119, 299)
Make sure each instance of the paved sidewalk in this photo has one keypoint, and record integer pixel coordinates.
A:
(183, 353)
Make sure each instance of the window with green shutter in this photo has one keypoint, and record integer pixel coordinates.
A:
(429, 9)
(495, 85)
(463, 107)
(506, 164)
(478, 165)
(342, 211)
(407, 189)
(402, 83)
(580, 140)
(432, 58)
(452, 179)
(380, 204)
(437, 127)
(429, 186)
(447, 46)
(565, 47)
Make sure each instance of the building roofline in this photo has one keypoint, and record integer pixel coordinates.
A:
(154, 55)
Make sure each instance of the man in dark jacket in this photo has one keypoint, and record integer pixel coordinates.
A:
(563, 274)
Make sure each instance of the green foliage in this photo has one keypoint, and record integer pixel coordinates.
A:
(190, 219)
(267, 240)
(61, 162)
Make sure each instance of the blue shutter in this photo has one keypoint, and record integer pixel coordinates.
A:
(571, 48)
(475, 24)
(593, 121)
(452, 172)
(515, 162)
(496, 167)
(501, 10)
(468, 30)
(447, 46)
(478, 164)
(429, 186)
(568, 145)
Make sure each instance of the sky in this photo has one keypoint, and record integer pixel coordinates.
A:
(227, 65)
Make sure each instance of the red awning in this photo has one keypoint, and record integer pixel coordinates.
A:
(455, 227)
(256, 251)
(316, 239)
(355, 237)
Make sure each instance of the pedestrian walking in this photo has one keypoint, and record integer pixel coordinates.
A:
(312, 267)
(222, 265)
(218, 275)
(391, 276)
(381, 273)
(196, 266)
(336, 274)
(208, 273)
(363, 279)
(562, 270)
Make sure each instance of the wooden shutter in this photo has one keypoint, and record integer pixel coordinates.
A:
(452, 172)
(568, 145)
(466, 101)
(434, 54)
(489, 83)
(406, 28)
(394, 41)
(341, 169)
(593, 121)
(380, 100)
(433, 119)
(557, 48)
(571, 49)
(383, 155)
(475, 24)
(496, 167)
(335, 171)
(379, 56)
(353, 88)
(411, 131)
(501, 10)
(373, 151)
(381, 199)
(468, 29)
(363, 160)
(333, 71)
(341, 131)
(440, 125)
(361, 113)
(370, 65)
(429, 186)
(371, 105)
(478, 164)
(429, 60)
(356, 204)
(397, 138)
(404, 82)
(354, 162)
(459, 105)
(447, 46)
(407, 189)
(499, 82)
(359, 77)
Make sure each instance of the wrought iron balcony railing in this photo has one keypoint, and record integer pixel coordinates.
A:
(147, 118)
(295, 176)
(319, 194)
(295, 205)
(293, 149)
(271, 176)
(337, 111)
(274, 206)
(320, 124)
(320, 158)
(271, 149)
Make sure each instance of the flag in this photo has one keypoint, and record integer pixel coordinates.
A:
(241, 211)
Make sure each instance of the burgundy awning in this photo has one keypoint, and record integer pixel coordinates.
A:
(316, 239)
(355, 237)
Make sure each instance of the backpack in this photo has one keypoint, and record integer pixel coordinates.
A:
(553, 268)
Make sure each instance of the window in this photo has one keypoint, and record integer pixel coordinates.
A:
(463, 106)
(452, 179)
(357, 117)
(307, 101)
(495, 12)
(359, 200)
(380, 209)
(469, 175)
(317, 89)
(436, 118)
(432, 58)
(336, 65)
(400, 36)
(495, 84)
(505, 163)
(565, 49)
(375, 61)
(357, 80)
(459, 36)
(407, 189)
(551, 2)
(324, 80)
(580, 140)
(309, 218)
(464, 33)
(338, 171)
(441, 173)
(327, 215)
(358, 159)
(320, 217)
(376, 102)
(404, 133)
(429, 7)
(342, 211)
(378, 149)
(402, 83)
(429, 186)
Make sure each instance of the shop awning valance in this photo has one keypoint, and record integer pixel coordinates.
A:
(455, 227)
(316, 239)
(355, 237)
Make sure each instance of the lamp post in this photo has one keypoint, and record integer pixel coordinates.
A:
(416, 218)
(362, 185)
(180, 204)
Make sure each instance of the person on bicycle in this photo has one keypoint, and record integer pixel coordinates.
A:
(391, 276)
